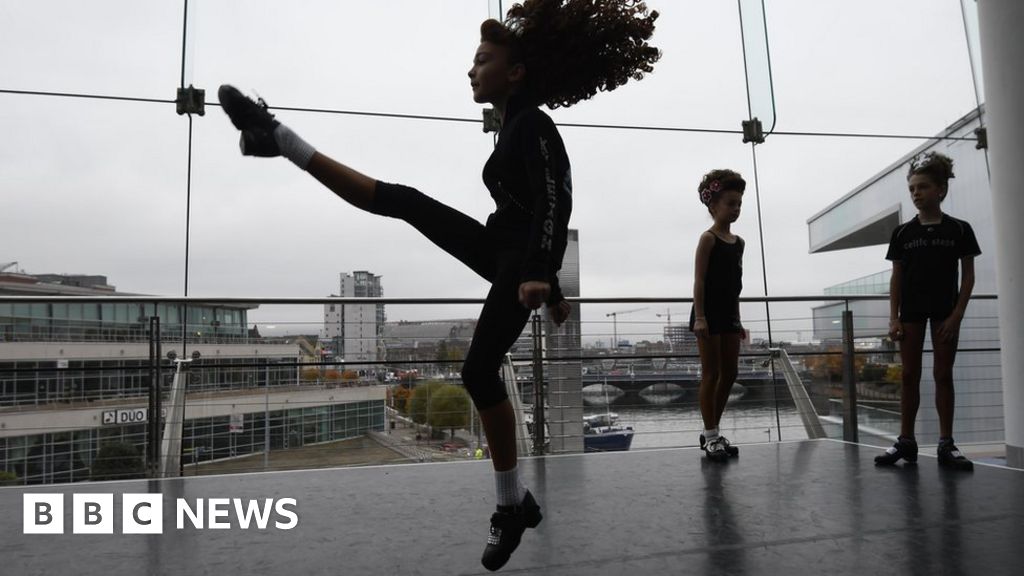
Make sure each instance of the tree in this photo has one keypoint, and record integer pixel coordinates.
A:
(456, 352)
(894, 374)
(350, 375)
(421, 399)
(873, 372)
(400, 398)
(449, 408)
(117, 461)
(310, 375)
(830, 366)
(9, 478)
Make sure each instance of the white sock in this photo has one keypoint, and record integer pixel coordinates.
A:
(710, 435)
(510, 488)
(292, 147)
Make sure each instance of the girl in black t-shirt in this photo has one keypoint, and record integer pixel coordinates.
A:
(546, 52)
(926, 253)
(715, 317)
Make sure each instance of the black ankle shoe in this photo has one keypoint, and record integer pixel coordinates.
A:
(950, 457)
(905, 448)
(253, 119)
(507, 527)
(729, 448)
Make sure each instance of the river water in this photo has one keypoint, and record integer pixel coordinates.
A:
(662, 421)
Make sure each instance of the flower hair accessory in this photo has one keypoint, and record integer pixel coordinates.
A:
(921, 161)
(516, 25)
(925, 161)
(709, 190)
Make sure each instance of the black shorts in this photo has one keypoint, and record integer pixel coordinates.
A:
(918, 311)
(719, 322)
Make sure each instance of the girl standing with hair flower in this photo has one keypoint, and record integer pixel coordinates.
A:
(715, 317)
(928, 253)
(552, 52)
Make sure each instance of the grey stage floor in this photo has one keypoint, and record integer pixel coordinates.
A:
(812, 507)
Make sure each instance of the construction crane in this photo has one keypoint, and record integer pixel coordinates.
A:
(668, 316)
(615, 324)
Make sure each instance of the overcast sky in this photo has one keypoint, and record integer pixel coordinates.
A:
(99, 187)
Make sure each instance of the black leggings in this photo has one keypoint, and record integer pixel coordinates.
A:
(499, 262)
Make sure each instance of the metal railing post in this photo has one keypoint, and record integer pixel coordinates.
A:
(266, 415)
(153, 422)
(849, 381)
(538, 386)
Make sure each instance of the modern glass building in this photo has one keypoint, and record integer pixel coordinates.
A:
(69, 455)
(76, 376)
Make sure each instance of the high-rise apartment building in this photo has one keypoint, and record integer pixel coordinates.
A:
(355, 330)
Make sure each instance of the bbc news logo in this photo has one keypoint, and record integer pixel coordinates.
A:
(144, 514)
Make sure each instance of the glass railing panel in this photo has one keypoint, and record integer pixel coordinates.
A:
(812, 42)
(315, 401)
(757, 63)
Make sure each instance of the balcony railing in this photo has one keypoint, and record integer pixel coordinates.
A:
(295, 401)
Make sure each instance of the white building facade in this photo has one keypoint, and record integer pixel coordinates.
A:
(355, 331)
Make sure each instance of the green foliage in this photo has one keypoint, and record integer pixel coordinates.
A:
(449, 408)
(894, 374)
(117, 461)
(421, 399)
(439, 404)
(830, 366)
(450, 351)
(873, 372)
(9, 478)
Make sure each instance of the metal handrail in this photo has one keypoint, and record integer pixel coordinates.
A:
(135, 299)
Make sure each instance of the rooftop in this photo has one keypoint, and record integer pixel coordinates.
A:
(806, 507)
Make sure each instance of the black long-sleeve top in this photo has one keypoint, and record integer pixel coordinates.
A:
(529, 178)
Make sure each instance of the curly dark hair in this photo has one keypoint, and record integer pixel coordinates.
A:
(936, 166)
(718, 182)
(574, 48)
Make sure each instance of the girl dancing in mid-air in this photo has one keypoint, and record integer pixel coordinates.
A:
(550, 52)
